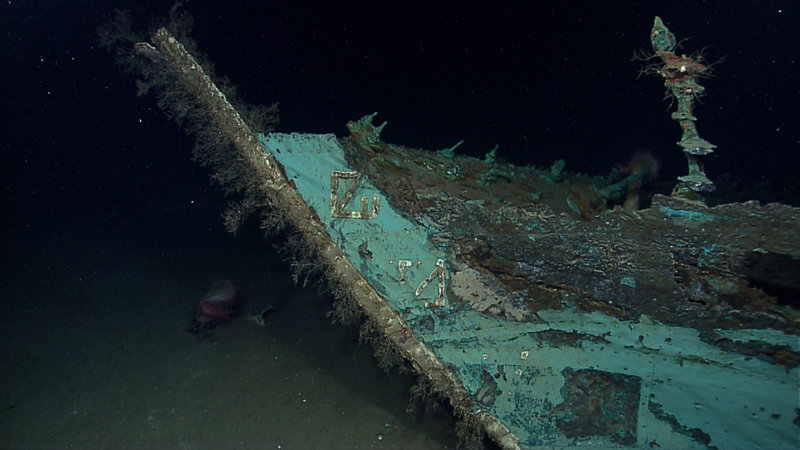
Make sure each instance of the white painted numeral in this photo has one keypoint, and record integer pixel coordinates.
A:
(438, 272)
(401, 266)
(337, 205)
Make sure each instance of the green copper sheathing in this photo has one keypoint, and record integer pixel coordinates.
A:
(682, 381)
(680, 75)
(375, 246)
(555, 380)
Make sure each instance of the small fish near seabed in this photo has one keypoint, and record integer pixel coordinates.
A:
(221, 303)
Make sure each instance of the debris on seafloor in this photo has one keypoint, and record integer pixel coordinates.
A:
(544, 317)
(260, 318)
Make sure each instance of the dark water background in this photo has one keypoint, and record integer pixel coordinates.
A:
(110, 232)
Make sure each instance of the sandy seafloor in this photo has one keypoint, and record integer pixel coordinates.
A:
(96, 353)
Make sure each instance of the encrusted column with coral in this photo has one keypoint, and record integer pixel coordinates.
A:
(680, 77)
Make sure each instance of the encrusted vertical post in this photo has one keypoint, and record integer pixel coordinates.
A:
(680, 77)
